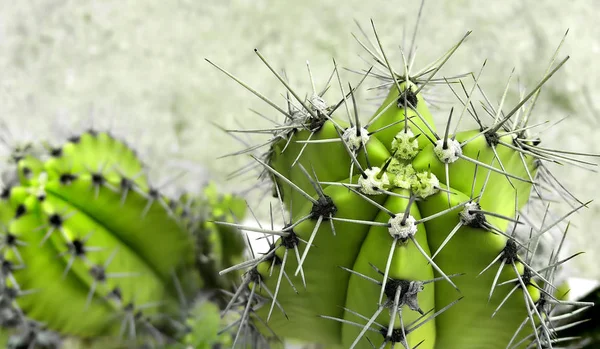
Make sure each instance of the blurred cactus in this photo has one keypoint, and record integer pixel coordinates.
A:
(91, 250)
(218, 246)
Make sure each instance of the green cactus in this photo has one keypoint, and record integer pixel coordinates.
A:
(73, 227)
(91, 250)
(217, 246)
(401, 234)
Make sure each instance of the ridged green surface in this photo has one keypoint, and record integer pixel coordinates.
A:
(94, 252)
(400, 233)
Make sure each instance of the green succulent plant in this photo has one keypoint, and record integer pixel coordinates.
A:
(218, 246)
(91, 250)
(400, 234)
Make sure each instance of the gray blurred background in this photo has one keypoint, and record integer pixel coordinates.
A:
(139, 68)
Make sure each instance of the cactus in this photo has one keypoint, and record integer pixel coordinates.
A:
(400, 234)
(91, 250)
(217, 246)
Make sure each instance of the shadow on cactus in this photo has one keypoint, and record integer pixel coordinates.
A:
(91, 250)
(399, 234)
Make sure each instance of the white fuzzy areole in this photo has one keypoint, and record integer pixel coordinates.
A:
(451, 153)
(402, 231)
(425, 184)
(353, 141)
(403, 147)
(367, 184)
(466, 216)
